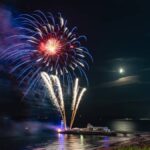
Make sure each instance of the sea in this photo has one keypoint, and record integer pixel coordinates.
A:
(47, 140)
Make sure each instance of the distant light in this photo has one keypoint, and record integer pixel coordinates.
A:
(59, 130)
(26, 128)
(121, 70)
(81, 139)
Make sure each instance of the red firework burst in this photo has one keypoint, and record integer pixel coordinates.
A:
(51, 46)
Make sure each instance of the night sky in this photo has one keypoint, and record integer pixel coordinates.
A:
(118, 34)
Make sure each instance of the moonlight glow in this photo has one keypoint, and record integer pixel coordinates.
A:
(121, 70)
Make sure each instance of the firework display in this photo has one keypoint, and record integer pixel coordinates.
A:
(44, 46)
(54, 87)
(77, 96)
(56, 95)
(45, 43)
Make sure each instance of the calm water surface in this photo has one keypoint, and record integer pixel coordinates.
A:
(49, 141)
(57, 142)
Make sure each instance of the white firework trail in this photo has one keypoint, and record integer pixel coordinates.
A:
(53, 81)
(75, 92)
(58, 101)
(48, 82)
(77, 97)
(60, 92)
(80, 98)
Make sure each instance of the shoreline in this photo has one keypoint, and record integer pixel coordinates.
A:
(142, 141)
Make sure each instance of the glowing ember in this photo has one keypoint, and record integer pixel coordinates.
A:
(52, 46)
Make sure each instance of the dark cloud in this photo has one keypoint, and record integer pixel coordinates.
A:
(127, 59)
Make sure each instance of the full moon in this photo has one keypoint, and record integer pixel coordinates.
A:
(121, 70)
